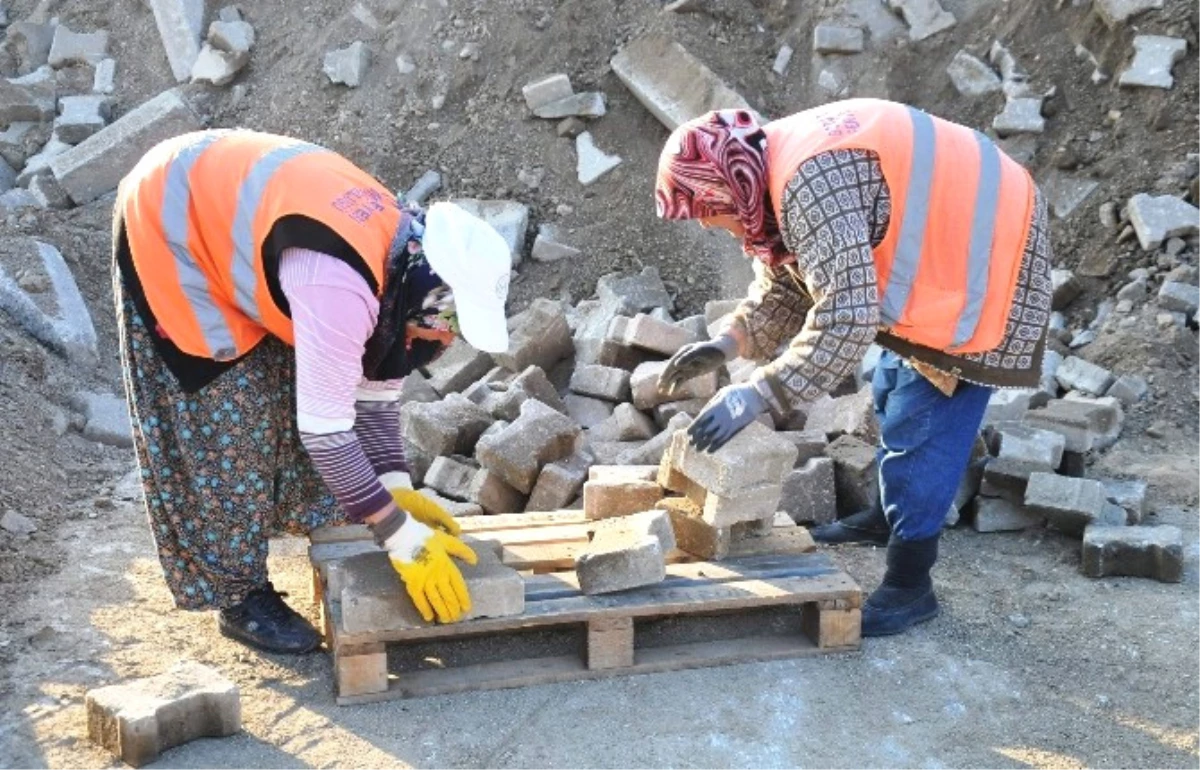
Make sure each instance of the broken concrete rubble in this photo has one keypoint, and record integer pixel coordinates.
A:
(972, 76)
(925, 18)
(1115, 12)
(1155, 218)
(590, 104)
(1077, 374)
(180, 23)
(550, 89)
(77, 47)
(1021, 115)
(593, 162)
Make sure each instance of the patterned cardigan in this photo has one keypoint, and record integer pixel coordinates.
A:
(825, 306)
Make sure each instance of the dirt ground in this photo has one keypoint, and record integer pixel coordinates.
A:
(1030, 665)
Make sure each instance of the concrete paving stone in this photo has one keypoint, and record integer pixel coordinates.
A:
(753, 457)
(1066, 287)
(1134, 291)
(559, 483)
(651, 452)
(783, 58)
(809, 493)
(538, 336)
(495, 495)
(107, 419)
(695, 325)
(504, 400)
(458, 367)
(588, 412)
(180, 23)
(96, 165)
(972, 76)
(607, 498)
(614, 452)
(592, 162)
(217, 67)
(1077, 374)
(855, 474)
(39, 165)
(626, 423)
(757, 503)
(623, 473)
(231, 36)
(849, 415)
(663, 413)
(1150, 552)
(621, 356)
(29, 98)
(627, 552)
(77, 47)
(69, 329)
(924, 18)
(628, 295)
(671, 83)
(29, 43)
(548, 246)
(588, 104)
(539, 436)
(693, 534)
(1179, 297)
(547, 90)
(644, 384)
(1074, 425)
(1007, 405)
(347, 66)
(443, 428)
(1021, 115)
(1008, 478)
(1115, 12)
(508, 218)
(1130, 495)
(80, 117)
(808, 443)
(604, 382)
(1069, 504)
(647, 333)
(415, 388)
(1156, 218)
(997, 515)
(140, 719)
(1066, 192)
(836, 38)
(1129, 389)
(1105, 417)
(451, 477)
(1153, 58)
(1032, 446)
(21, 139)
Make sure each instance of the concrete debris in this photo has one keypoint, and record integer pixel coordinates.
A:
(625, 423)
(539, 336)
(606, 498)
(80, 117)
(593, 162)
(992, 514)
(40, 164)
(458, 367)
(589, 104)
(16, 199)
(107, 419)
(627, 552)
(1157, 218)
(509, 218)
(96, 165)
(216, 66)
(809, 492)
(1033, 447)
(1021, 115)
(30, 98)
(140, 719)
(1179, 297)
(231, 36)
(405, 64)
(589, 412)
(69, 330)
(604, 382)
(180, 23)
(1069, 504)
(648, 333)
(632, 294)
(441, 428)
(853, 415)
(924, 18)
(1077, 374)
(1150, 552)
(671, 83)
(754, 457)
(559, 483)
(48, 193)
(548, 90)
(8, 177)
(1007, 405)
(855, 474)
(652, 451)
(569, 128)
(519, 452)
(644, 383)
(548, 246)
(429, 183)
(17, 524)
(1066, 192)
(229, 13)
(834, 38)
(1130, 496)
(29, 44)
(20, 140)
(105, 76)
(1154, 56)
(451, 478)
(782, 60)
(972, 76)
(347, 66)
(531, 383)
(1129, 389)
(495, 495)
(77, 47)
(1115, 12)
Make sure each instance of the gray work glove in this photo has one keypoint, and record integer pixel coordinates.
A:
(695, 359)
(726, 414)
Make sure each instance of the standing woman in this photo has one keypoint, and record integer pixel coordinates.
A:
(270, 297)
(871, 222)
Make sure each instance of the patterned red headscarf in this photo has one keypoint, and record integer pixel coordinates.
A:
(716, 165)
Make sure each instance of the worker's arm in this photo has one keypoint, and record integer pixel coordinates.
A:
(772, 313)
(831, 236)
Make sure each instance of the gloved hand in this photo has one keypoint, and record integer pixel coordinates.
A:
(422, 558)
(732, 409)
(425, 510)
(695, 359)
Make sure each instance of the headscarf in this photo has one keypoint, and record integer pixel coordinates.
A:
(716, 165)
(417, 319)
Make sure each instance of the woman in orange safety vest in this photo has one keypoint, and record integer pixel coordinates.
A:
(870, 222)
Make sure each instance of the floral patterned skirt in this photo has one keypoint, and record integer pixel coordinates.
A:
(222, 468)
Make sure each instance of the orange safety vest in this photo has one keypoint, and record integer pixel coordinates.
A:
(961, 209)
(206, 212)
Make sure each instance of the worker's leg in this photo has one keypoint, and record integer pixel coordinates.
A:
(926, 440)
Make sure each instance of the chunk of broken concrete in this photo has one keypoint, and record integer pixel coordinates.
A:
(347, 66)
(593, 162)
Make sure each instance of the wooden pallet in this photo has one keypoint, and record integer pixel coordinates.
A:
(780, 604)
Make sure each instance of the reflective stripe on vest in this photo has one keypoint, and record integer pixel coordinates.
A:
(243, 269)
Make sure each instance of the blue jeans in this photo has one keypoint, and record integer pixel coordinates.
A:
(926, 439)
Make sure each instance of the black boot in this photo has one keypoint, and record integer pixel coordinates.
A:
(905, 597)
(869, 527)
(265, 621)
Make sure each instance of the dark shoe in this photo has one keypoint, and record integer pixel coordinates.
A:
(868, 527)
(905, 598)
(265, 621)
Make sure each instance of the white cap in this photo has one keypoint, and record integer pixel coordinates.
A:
(474, 261)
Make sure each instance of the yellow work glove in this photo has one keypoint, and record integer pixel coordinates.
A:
(425, 510)
(421, 556)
